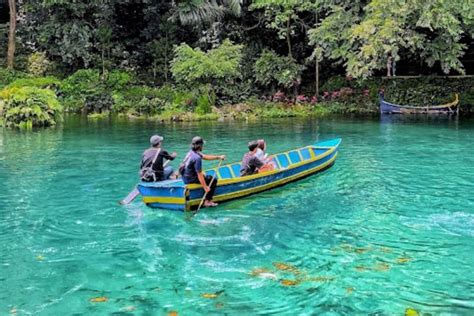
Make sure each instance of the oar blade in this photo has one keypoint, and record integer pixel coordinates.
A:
(130, 197)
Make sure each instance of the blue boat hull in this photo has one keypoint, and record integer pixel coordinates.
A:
(291, 166)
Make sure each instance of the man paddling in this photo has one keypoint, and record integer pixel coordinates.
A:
(151, 168)
(192, 170)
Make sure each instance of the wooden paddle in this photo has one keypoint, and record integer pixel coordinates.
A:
(210, 183)
(134, 193)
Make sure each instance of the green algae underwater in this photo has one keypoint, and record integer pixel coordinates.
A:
(388, 230)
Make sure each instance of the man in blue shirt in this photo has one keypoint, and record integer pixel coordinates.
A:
(193, 170)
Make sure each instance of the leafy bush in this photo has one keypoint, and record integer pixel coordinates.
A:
(272, 69)
(83, 84)
(117, 80)
(7, 76)
(27, 107)
(38, 64)
(205, 100)
(335, 83)
(98, 103)
(194, 67)
(141, 99)
(151, 106)
(40, 82)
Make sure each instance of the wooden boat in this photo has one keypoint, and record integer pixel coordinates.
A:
(391, 108)
(291, 166)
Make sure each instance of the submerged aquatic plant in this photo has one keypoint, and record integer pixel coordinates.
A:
(212, 295)
(100, 299)
(286, 282)
(286, 267)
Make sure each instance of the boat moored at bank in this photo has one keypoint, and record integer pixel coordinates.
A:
(392, 108)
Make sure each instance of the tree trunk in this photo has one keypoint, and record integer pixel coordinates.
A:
(288, 34)
(11, 34)
(316, 72)
(166, 58)
(103, 61)
(317, 77)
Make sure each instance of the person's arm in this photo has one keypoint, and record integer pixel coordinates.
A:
(212, 157)
(165, 155)
(203, 182)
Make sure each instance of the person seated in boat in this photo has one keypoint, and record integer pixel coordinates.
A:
(261, 154)
(261, 148)
(151, 168)
(250, 162)
(192, 170)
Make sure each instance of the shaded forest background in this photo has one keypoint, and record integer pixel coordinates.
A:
(230, 51)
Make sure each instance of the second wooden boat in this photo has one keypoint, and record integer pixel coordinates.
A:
(391, 108)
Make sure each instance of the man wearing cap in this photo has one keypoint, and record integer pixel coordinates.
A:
(250, 162)
(151, 168)
(193, 173)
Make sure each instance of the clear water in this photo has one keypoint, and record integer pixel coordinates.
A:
(389, 227)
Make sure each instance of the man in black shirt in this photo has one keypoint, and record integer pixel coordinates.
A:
(151, 168)
(250, 162)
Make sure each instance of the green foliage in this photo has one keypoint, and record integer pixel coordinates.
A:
(86, 90)
(98, 103)
(40, 82)
(148, 106)
(7, 76)
(429, 91)
(38, 64)
(271, 69)
(194, 67)
(281, 16)
(195, 12)
(27, 107)
(433, 30)
(335, 83)
(117, 80)
(205, 100)
(83, 84)
(418, 91)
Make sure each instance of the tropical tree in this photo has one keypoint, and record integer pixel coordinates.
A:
(199, 12)
(273, 70)
(363, 35)
(11, 34)
(282, 16)
(216, 66)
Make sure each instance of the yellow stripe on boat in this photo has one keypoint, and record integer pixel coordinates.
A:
(275, 171)
(229, 196)
(164, 200)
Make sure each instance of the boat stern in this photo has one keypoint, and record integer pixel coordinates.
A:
(169, 194)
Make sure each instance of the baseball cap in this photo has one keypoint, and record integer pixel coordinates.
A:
(155, 140)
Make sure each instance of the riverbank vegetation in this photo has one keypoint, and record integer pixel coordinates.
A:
(188, 60)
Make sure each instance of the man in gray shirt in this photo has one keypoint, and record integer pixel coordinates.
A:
(151, 168)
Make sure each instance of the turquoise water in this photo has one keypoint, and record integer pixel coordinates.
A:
(389, 227)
